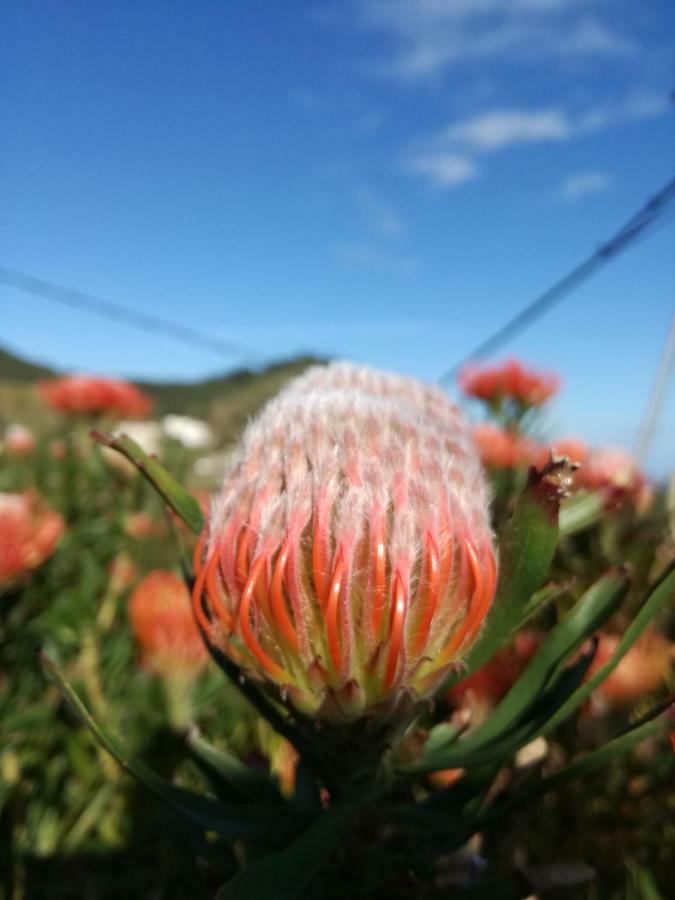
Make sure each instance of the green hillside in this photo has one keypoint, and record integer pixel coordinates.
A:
(225, 401)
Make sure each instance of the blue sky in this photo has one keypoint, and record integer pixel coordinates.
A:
(386, 180)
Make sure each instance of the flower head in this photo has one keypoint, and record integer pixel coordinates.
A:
(612, 472)
(500, 448)
(29, 532)
(159, 609)
(510, 380)
(92, 395)
(348, 557)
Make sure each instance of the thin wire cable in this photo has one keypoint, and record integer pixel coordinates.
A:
(656, 396)
(117, 312)
(629, 232)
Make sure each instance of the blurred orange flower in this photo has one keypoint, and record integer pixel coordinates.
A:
(502, 449)
(90, 395)
(161, 617)
(29, 532)
(642, 670)
(509, 380)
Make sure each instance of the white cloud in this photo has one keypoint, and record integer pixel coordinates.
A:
(583, 184)
(448, 157)
(428, 36)
(502, 128)
(444, 170)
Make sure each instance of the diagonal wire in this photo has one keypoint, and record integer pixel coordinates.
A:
(630, 231)
(117, 312)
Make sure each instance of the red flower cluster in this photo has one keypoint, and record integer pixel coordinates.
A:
(89, 395)
(612, 472)
(29, 531)
(162, 620)
(509, 380)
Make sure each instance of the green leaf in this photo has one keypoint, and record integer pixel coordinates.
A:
(662, 592)
(286, 874)
(181, 502)
(523, 703)
(596, 605)
(498, 747)
(581, 511)
(233, 820)
(526, 548)
(654, 723)
(240, 781)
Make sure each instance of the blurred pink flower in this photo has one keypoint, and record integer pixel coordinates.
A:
(19, 441)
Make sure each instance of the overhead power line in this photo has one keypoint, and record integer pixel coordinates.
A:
(657, 395)
(633, 229)
(117, 312)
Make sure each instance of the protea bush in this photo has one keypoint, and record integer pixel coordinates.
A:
(361, 579)
(358, 664)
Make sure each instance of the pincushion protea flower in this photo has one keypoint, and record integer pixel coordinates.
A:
(509, 380)
(348, 558)
(162, 621)
(29, 532)
(92, 395)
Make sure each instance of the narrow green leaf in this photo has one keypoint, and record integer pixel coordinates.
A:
(181, 502)
(661, 593)
(496, 748)
(596, 605)
(234, 820)
(581, 511)
(521, 703)
(526, 548)
(286, 874)
(540, 600)
(655, 724)
(241, 781)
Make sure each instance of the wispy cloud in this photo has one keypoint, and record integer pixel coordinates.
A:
(448, 157)
(382, 218)
(504, 127)
(428, 36)
(444, 170)
(583, 184)
(375, 257)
